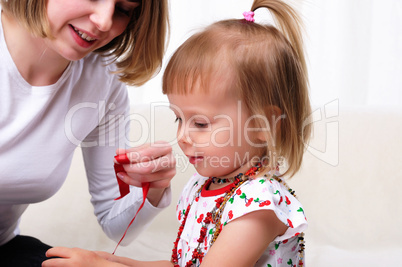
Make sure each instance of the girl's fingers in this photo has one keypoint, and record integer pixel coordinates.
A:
(61, 252)
(56, 262)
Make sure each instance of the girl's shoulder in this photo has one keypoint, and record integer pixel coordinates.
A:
(267, 193)
(194, 184)
(188, 193)
(270, 187)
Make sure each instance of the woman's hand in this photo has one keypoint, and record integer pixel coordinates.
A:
(152, 163)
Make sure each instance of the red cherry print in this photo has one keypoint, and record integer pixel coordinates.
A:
(290, 223)
(287, 200)
(230, 214)
(249, 202)
(265, 203)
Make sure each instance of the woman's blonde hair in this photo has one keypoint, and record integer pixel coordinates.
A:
(268, 71)
(138, 51)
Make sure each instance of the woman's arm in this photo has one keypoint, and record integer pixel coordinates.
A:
(99, 150)
(243, 240)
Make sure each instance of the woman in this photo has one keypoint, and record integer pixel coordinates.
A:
(63, 70)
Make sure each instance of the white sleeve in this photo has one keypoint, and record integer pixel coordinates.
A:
(115, 215)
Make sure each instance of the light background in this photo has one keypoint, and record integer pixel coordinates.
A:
(350, 181)
(353, 47)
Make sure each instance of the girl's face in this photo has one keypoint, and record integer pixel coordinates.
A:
(82, 26)
(215, 132)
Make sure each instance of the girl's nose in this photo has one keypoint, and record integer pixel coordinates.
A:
(102, 15)
(183, 137)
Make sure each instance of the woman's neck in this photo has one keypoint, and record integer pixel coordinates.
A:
(37, 64)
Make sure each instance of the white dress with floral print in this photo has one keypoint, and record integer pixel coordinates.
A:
(258, 194)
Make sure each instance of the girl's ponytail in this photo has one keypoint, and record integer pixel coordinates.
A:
(292, 92)
(288, 22)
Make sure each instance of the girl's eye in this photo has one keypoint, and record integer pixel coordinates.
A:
(200, 125)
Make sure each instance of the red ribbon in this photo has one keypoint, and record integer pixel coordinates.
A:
(118, 167)
(125, 189)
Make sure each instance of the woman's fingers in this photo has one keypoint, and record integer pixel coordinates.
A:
(163, 163)
(152, 163)
(159, 179)
(146, 152)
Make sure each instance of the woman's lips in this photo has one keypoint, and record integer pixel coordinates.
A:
(81, 38)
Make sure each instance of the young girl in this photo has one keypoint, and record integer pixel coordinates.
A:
(63, 69)
(239, 91)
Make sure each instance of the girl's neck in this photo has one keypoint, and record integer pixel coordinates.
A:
(37, 64)
(242, 169)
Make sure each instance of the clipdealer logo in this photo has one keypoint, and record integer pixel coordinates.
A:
(112, 128)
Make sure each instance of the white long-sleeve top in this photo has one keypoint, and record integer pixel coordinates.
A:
(41, 126)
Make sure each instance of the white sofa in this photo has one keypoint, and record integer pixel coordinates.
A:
(350, 185)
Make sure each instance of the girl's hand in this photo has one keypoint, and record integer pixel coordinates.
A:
(150, 163)
(76, 257)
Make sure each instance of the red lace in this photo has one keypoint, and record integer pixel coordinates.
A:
(125, 189)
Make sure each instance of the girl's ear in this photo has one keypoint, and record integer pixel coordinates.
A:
(271, 133)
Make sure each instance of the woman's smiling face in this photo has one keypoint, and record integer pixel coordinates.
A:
(82, 26)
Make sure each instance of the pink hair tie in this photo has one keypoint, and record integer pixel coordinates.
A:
(249, 16)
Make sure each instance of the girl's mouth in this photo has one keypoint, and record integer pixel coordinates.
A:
(195, 160)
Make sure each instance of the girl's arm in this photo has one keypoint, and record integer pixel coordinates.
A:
(243, 240)
(76, 257)
(131, 262)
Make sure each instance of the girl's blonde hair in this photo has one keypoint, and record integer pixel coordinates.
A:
(138, 51)
(268, 71)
